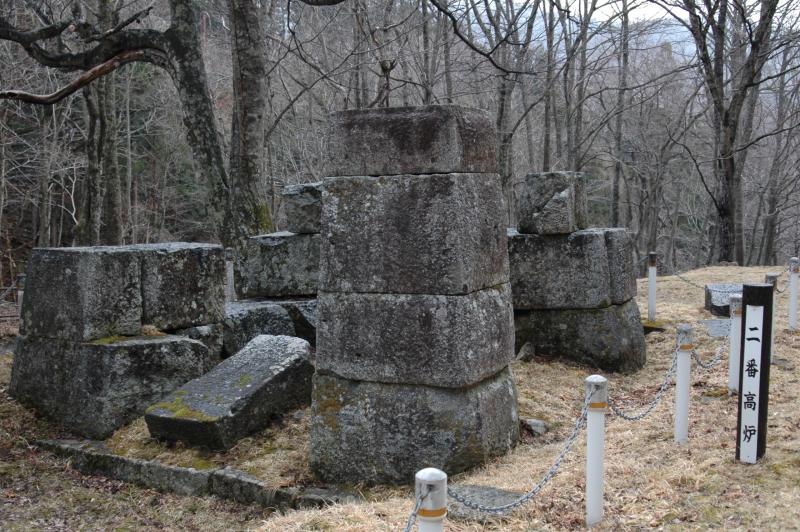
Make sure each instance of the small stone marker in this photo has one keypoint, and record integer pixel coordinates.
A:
(270, 376)
(751, 425)
(718, 297)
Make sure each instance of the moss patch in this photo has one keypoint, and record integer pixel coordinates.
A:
(108, 340)
(180, 409)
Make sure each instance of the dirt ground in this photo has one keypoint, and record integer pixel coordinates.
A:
(651, 482)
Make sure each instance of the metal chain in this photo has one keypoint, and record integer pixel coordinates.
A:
(719, 290)
(657, 399)
(716, 359)
(8, 290)
(413, 516)
(579, 424)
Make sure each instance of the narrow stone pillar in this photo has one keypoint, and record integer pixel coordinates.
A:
(415, 325)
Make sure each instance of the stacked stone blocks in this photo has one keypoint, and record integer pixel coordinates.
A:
(573, 287)
(414, 325)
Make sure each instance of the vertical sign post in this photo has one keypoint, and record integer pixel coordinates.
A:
(772, 279)
(735, 337)
(683, 379)
(597, 388)
(652, 259)
(751, 425)
(794, 270)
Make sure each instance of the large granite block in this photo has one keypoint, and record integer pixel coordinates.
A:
(718, 297)
(82, 294)
(210, 336)
(413, 234)
(610, 338)
(551, 203)
(559, 271)
(268, 377)
(244, 320)
(368, 432)
(278, 265)
(621, 264)
(447, 341)
(302, 206)
(183, 284)
(95, 388)
(414, 140)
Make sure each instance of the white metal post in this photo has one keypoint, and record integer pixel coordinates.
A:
(735, 346)
(597, 386)
(433, 510)
(682, 382)
(230, 289)
(20, 292)
(652, 259)
(794, 270)
(772, 278)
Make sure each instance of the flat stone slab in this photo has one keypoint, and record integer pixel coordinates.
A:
(551, 203)
(280, 264)
(413, 234)
(483, 495)
(302, 207)
(717, 328)
(435, 340)
(374, 433)
(414, 140)
(609, 338)
(86, 293)
(559, 271)
(95, 388)
(718, 297)
(243, 394)
(246, 319)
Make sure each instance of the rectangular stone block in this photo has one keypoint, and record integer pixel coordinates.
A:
(244, 320)
(302, 207)
(447, 341)
(278, 265)
(411, 140)
(183, 284)
(82, 294)
(375, 433)
(95, 388)
(551, 203)
(210, 336)
(413, 234)
(610, 338)
(621, 264)
(559, 271)
(243, 394)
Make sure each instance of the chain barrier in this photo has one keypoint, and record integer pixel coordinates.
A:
(8, 290)
(579, 424)
(657, 399)
(716, 359)
(412, 518)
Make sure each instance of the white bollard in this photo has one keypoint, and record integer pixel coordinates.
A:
(772, 278)
(20, 292)
(433, 510)
(652, 259)
(735, 337)
(230, 289)
(595, 447)
(794, 270)
(683, 382)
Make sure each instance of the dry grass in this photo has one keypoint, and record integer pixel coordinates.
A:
(651, 482)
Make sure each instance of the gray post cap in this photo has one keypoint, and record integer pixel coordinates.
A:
(772, 278)
(597, 385)
(794, 265)
(652, 258)
(736, 304)
(21, 281)
(685, 337)
(435, 482)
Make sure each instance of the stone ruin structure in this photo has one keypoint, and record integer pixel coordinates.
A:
(573, 287)
(415, 325)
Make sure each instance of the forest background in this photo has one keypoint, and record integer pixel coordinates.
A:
(157, 120)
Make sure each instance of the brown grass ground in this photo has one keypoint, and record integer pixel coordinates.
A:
(651, 482)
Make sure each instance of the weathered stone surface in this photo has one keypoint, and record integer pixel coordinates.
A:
(383, 433)
(304, 316)
(718, 297)
(243, 394)
(435, 340)
(95, 388)
(208, 335)
(82, 294)
(413, 140)
(551, 203)
(183, 284)
(559, 271)
(413, 234)
(279, 264)
(609, 338)
(244, 320)
(302, 206)
(621, 264)
(537, 427)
